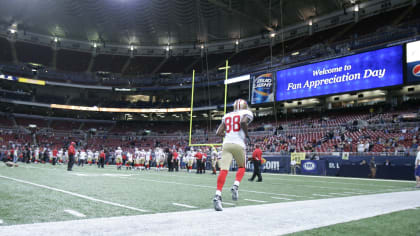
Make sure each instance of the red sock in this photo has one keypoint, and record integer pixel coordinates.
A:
(240, 174)
(221, 179)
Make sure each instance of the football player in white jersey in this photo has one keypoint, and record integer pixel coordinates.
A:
(129, 160)
(37, 155)
(136, 159)
(89, 157)
(234, 128)
(190, 159)
(96, 157)
(60, 156)
(82, 157)
(157, 158)
(161, 158)
(148, 159)
(143, 156)
(118, 158)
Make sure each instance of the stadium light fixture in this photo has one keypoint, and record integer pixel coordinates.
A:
(238, 79)
(272, 34)
(356, 8)
(132, 48)
(237, 42)
(12, 31)
(310, 22)
(55, 39)
(167, 48)
(95, 45)
(295, 53)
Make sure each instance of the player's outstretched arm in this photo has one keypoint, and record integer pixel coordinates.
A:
(244, 126)
(221, 130)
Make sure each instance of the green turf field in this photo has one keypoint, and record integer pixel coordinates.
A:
(50, 190)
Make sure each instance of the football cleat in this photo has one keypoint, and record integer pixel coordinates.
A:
(235, 193)
(217, 202)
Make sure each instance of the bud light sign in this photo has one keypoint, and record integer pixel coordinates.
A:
(262, 88)
(413, 62)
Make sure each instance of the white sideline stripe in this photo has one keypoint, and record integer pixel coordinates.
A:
(252, 200)
(322, 195)
(282, 198)
(353, 193)
(228, 203)
(74, 194)
(279, 218)
(183, 205)
(75, 213)
(341, 194)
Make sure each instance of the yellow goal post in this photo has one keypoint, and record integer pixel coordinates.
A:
(226, 68)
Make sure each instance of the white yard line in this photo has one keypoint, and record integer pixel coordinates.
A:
(341, 194)
(322, 195)
(282, 198)
(279, 218)
(74, 194)
(228, 203)
(75, 213)
(183, 205)
(253, 200)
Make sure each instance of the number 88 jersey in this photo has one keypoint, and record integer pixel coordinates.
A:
(232, 122)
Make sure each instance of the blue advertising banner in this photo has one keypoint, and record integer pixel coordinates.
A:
(262, 88)
(374, 69)
(274, 164)
(413, 62)
(313, 167)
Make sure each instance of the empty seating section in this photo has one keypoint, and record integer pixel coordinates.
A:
(6, 122)
(5, 51)
(34, 53)
(178, 64)
(72, 60)
(109, 63)
(25, 122)
(64, 125)
(143, 65)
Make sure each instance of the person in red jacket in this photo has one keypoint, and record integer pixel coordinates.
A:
(71, 153)
(199, 157)
(54, 156)
(257, 160)
(102, 159)
(175, 160)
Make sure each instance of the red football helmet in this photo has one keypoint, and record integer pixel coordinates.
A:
(73, 143)
(240, 104)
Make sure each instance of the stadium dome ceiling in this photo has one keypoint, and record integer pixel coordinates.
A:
(160, 22)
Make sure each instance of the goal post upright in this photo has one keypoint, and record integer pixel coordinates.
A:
(192, 104)
(226, 68)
